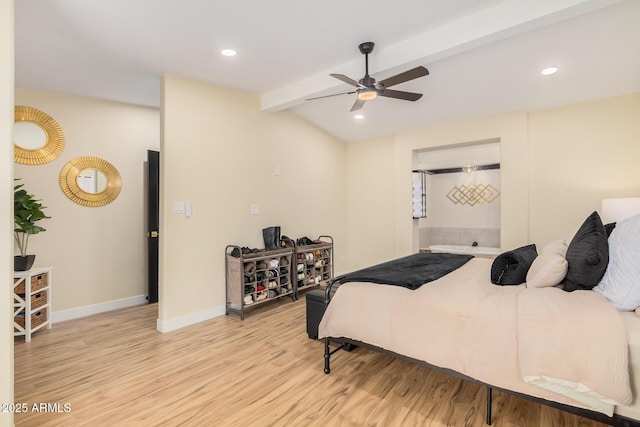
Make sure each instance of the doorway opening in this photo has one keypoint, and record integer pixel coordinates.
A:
(462, 187)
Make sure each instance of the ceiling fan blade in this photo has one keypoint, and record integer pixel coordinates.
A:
(398, 94)
(358, 104)
(346, 79)
(327, 96)
(414, 73)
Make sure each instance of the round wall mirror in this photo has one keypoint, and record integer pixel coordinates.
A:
(29, 136)
(90, 181)
(37, 137)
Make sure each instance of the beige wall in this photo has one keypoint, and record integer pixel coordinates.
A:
(556, 167)
(510, 130)
(371, 202)
(219, 152)
(581, 154)
(97, 254)
(6, 215)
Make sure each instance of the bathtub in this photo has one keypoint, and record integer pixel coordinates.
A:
(483, 251)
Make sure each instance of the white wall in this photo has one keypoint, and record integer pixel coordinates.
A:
(220, 152)
(442, 212)
(6, 214)
(97, 254)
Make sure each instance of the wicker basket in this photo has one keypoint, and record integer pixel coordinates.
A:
(38, 299)
(37, 282)
(37, 319)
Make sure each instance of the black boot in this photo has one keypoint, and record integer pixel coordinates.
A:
(271, 236)
(276, 238)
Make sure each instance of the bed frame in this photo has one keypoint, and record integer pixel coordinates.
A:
(349, 344)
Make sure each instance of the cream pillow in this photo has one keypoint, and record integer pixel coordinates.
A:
(549, 267)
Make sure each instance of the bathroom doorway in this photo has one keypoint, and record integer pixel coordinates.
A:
(462, 195)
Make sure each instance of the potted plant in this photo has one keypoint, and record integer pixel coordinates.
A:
(27, 211)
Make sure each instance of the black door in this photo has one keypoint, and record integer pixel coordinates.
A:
(153, 221)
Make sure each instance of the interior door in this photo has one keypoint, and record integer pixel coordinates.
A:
(153, 222)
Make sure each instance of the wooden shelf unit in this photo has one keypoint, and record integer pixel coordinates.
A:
(31, 301)
(255, 278)
(264, 276)
(314, 264)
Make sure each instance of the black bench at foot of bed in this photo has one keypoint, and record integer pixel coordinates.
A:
(348, 344)
(316, 306)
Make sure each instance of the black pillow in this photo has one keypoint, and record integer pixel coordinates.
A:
(608, 228)
(511, 267)
(587, 255)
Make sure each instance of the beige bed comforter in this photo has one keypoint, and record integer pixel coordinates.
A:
(500, 335)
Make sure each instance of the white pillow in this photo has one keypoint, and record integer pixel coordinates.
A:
(549, 267)
(621, 281)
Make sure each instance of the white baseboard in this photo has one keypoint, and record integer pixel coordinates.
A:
(87, 310)
(190, 319)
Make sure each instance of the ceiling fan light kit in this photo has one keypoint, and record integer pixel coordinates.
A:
(367, 88)
(367, 94)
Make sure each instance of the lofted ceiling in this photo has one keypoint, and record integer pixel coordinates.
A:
(484, 56)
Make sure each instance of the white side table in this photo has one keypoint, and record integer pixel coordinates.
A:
(31, 301)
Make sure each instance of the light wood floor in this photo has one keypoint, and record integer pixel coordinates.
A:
(115, 369)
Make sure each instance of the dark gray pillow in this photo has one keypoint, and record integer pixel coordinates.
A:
(608, 228)
(511, 267)
(587, 254)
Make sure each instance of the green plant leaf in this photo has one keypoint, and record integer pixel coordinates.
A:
(27, 210)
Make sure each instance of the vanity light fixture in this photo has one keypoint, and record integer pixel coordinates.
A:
(469, 169)
(228, 52)
(549, 70)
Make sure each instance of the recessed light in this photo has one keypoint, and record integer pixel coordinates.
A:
(228, 52)
(549, 70)
(358, 117)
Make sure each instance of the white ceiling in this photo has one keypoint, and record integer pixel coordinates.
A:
(484, 56)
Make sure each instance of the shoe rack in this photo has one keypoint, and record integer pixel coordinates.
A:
(314, 264)
(256, 278)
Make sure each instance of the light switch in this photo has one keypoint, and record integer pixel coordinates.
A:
(178, 207)
(187, 209)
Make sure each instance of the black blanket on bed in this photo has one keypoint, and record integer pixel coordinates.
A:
(410, 272)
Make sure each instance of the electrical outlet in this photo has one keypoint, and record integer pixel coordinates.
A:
(255, 209)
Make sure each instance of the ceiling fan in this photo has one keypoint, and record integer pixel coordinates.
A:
(367, 88)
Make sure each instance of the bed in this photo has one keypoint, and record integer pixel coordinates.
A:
(572, 350)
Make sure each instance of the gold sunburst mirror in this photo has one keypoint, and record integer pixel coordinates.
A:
(90, 181)
(37, 137)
